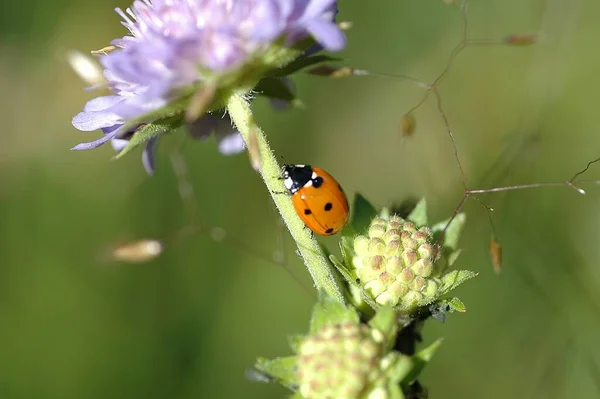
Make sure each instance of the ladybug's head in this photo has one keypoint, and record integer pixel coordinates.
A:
(296, 176)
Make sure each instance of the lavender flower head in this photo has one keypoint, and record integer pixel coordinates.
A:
(175, 46)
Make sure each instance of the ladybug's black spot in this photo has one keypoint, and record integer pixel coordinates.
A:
(328, 206)
(329, 231)
(317, 182)
(307, 211)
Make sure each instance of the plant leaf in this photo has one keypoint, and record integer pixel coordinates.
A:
(456, 305)
(275, 88)
(149, 131)
(385, 322)
(452, 232)
(420, 360)
(419, 215)
(362, 214)
(338, 275)
(329, 311)
(301, 63)
(342, 269)
(453, 279)
(453, 256)
(281, 369)
(440, 309)
(347, 250)
(401, 367)
(255, 375)
(395, 392)
(294, 341)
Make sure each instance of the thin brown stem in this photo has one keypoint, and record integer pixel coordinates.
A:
(587, 167)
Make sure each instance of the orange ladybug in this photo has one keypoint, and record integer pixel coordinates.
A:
(318, 198)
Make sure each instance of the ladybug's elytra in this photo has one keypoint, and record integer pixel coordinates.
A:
(318, 198)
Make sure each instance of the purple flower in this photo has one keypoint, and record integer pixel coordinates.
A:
(175, 45)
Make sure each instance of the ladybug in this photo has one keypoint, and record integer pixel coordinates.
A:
(318, 198)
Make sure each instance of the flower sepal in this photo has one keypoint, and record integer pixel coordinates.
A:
(148, 131)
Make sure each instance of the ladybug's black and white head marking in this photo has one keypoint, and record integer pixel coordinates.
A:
(298, 176)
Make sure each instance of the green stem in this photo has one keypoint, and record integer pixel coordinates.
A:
(314, 259)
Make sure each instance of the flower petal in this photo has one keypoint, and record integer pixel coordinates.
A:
(316, 8)
(102, 103)
(90, 121)
(119, 144)
(149, 155)
(230, 144)
(327, 34)
(96, 143)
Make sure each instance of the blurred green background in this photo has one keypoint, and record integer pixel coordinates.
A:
(187, 325)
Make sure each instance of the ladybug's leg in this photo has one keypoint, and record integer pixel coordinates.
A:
(282, 192)
(312, 233)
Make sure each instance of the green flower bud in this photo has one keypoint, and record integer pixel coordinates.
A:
(361, 245)
(344, 361)
(423, 267)
(395, 263)
(376, 246)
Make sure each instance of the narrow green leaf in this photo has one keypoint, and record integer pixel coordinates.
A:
(440, 309)
(453, 256)
(329, 311)
(420, 360)
(362, 214)
(149, 131)
(342, 269)
(339, 277)
(395, 392)
(325, 250)
(361, 301)
(294, 341)
(456, 305)
(419, 215)
(301, 63)
(426, 354)
(453, 279)
(347, 249)
(385, 322)
(369, 300)
(255, 375)
(275, 88)
(452, 233)
(401, 367)
(282, 369)
(385, 213)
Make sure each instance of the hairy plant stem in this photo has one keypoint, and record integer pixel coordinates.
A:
(269, 169)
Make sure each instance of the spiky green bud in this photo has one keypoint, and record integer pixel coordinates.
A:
(403, 263)
(394, 262)
(340, 361)
(342, 357)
